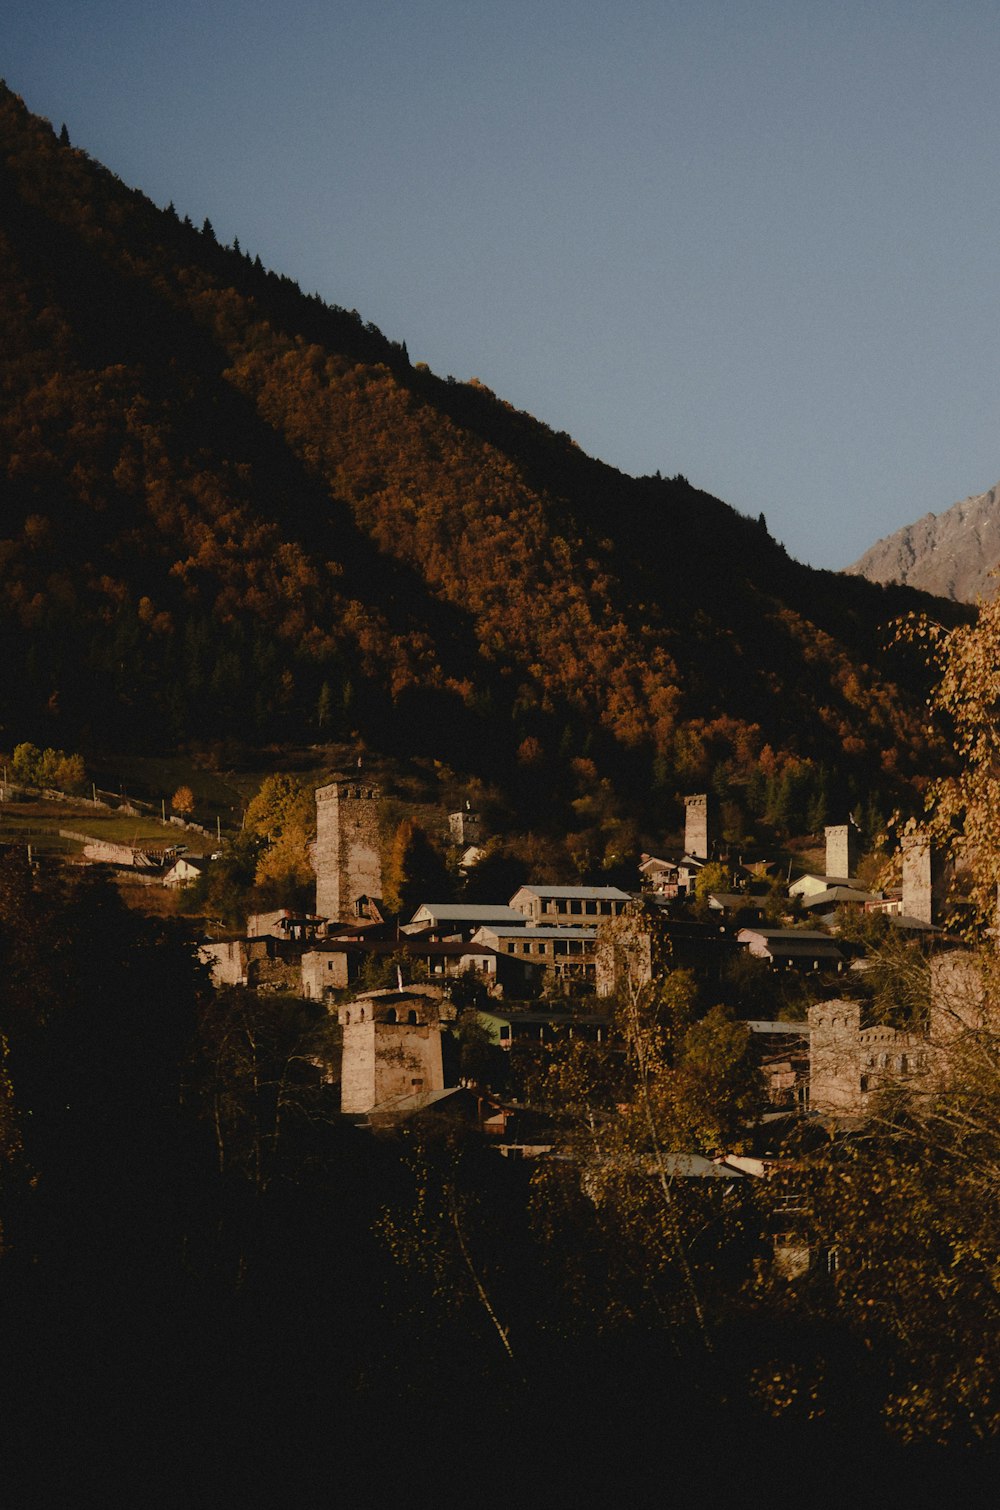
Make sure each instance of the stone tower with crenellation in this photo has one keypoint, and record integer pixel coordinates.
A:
(392, 1046)
(700, 838)
(348, 854)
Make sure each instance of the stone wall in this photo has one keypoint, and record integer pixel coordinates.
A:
(227, 961)
(848, 1064)
(323, 970)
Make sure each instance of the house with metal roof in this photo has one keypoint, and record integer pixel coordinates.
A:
(538, 1026)
(804, 949)
(461, 919)
(569, 906)
(567, 953)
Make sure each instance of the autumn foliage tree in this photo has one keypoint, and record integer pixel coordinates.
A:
(908, 1206)
(183, 801)
(282, 816)
(415, 870)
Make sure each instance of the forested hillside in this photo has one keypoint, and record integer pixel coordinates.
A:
(234, 512)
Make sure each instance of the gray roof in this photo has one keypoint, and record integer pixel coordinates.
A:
(470, 912)
(696, 1166)
(579, 893)
(571, 931)
(416, 1101)
(821, 948)
(555, 1019)
(789, 935)
(833, 895)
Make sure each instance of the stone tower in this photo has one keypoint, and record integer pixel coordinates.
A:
(925, 879)
(835, 1056)
(392, 1046)
(465, 828)
(841, 850)
(699, 826)
(348, 846)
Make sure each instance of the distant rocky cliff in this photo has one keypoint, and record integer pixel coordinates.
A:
(950, 554)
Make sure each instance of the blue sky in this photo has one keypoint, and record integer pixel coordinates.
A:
(750, 241)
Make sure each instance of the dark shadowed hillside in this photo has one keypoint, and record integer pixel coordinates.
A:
(231, 511)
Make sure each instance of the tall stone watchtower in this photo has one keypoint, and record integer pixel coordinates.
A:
(465, 828)
(835, 1056)
(348, 846)
(925, 878)
(841, 850)
(699, 826)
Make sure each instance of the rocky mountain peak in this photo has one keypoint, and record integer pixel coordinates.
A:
(951, 554)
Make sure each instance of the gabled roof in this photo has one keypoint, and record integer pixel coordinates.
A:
(555, 1018)
(569, 931)
(468, 912)
(833, 896)
(811, 880)
(687, 1166)
(826, 950)
(578, 893)
(196, 862)
(796, 935)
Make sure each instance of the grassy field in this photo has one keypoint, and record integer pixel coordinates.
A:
(38, 824)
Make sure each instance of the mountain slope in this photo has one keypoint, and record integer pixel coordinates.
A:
(230, 510)
(950, 554)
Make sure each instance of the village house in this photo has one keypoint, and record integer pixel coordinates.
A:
(782, 1050)
(737, 908)
(842, 852)
(283, 923)
(264, 963)
(335, 964)
(646, 941)
(184, 870)
(661, 876)
(459, 920)
(535, 1026)
(566, 953)
(569, 906)
(802, 949)
(824, 903)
